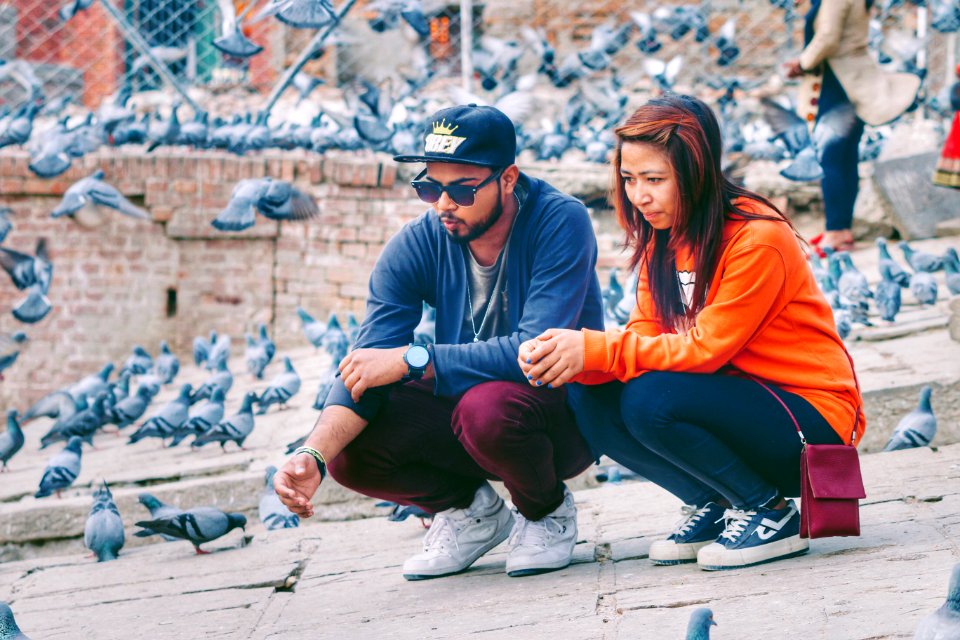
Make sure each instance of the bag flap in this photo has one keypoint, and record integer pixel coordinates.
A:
(833, 471)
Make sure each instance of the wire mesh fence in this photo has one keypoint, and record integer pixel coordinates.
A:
(582, 63)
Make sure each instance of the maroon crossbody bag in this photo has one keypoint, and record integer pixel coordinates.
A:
(831, 486)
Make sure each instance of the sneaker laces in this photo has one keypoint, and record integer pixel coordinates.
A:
(533, 533)
(441, 535)
(691, 516)
(736, 520)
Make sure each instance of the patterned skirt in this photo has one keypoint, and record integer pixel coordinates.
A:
(947, 173)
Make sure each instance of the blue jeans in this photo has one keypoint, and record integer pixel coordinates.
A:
(837, 135)
(701, 437)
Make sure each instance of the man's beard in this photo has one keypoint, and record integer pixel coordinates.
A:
(476, 230)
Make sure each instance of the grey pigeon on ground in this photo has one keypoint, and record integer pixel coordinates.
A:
(167, 365)
(887, 296)
(11, 440)
(10, 346)
(92, 385)
(951, 264)
(130, 409)
(699, 626)
(139, 361)
(236, 428)
(201, 419)
(202, 346)
(256, 357)
(62, 469)
(158, 510)
(917, 428)
(92, 193)
(8, 624)
(59, 404)
(924, 287)
(312, 328)
(197, 525)
(219, 379)
(273, 513)
(268, 345)
(163, 424)
(327, 380)
(335, 340)
(219, 354)
(82, 424)
(921, 260)
(896, 273)
(944, 623)
(400, 512)
(283, 386)
(103, 531)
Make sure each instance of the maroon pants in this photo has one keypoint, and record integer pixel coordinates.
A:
(436, 452)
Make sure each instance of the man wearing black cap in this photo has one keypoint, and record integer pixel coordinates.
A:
(502, 257)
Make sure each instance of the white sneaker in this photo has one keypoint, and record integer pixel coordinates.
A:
(538, 546)
(458, 537)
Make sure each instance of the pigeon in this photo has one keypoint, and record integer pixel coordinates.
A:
(283, 386)
(236, 428)
(130, 409)
(726, 44)
(917, 428)
(167, 365)
(8, 625)
(232, 42)
(103, 532)
(647, 41)
(327, 381)
(5, 224)
(202, 419)
(924, 287)
(950, 264)
(275, 199)
(160, 131)
(425, 332)
(92, 193)
(82, 424)
(73, 7)
(700, 622)
(139, 362)
(388, 13)
(353, 328)
(62, 469)
(219, 379)
(119, 389)
(59, 404)
(255, 357)
(921, 260)
(944, 623)
(664, 74)
(219, 354)
(92, 385)
(197, 525)
(17, 129)
(26, 270)
(296, 444)
(400, 512)
(312, 329)
(335, 341)
(158, 510)
(273, 513)
(34, 307)
(11, 440)
(887, 296)
(852, 284)
(167, 420)
(10, 346)
(790, 130)
(300, 14)
(268, 345)
(202, 346)
(896, 273)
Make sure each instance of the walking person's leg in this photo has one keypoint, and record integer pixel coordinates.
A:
(731, 434)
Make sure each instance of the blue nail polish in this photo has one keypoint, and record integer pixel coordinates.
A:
(529, 377)
(539, 383)
(528, 360)
(550, 386)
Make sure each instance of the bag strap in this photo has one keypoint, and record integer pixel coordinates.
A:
(783, 404)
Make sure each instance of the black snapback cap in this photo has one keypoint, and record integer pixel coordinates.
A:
(468, 134)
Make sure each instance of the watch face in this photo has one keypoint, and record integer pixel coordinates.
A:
(417, 357)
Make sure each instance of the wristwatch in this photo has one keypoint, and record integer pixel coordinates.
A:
(417, 358)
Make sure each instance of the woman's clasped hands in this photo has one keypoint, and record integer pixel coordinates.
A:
(553, 358)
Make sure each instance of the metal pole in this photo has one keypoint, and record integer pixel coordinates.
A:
(466, 44)
(922, 53)
(311, 47)
(134, 38)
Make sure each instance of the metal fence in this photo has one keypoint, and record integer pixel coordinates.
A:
(602, 53)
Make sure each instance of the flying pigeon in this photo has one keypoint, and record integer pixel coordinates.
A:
(283, 386)
(917, 428)
(197, 525)
(91, 193)
(5, 224)
(944, 623)
(11, 440)
(10, 346)
(236, 428)
(62, 469)
(103, 531)
(25, 270)
(232, 41)
(275, 199)
(273, 513)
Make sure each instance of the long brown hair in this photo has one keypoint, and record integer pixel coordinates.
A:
(687, 131)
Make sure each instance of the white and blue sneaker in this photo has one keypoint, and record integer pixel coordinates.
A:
(699, 527)
(754, 537)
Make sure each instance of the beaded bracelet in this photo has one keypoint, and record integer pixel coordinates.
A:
(316, 455)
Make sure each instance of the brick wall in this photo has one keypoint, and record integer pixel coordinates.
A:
(114, 285)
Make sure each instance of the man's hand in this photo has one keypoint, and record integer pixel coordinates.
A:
(792, 69)
(556, 359)
(296, 482)
(364, 369)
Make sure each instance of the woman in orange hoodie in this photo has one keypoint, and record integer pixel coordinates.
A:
(729, 332)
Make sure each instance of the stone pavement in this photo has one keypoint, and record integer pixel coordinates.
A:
(337, 576)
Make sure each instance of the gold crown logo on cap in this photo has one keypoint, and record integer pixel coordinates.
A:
(442, 128)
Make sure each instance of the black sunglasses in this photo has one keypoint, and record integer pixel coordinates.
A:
(463, 195)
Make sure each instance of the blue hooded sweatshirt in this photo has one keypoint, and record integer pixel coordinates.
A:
(551, 281)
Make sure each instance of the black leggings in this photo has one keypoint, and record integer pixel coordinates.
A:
(701, 436)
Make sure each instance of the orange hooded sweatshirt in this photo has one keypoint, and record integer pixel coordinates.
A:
(764, 317)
